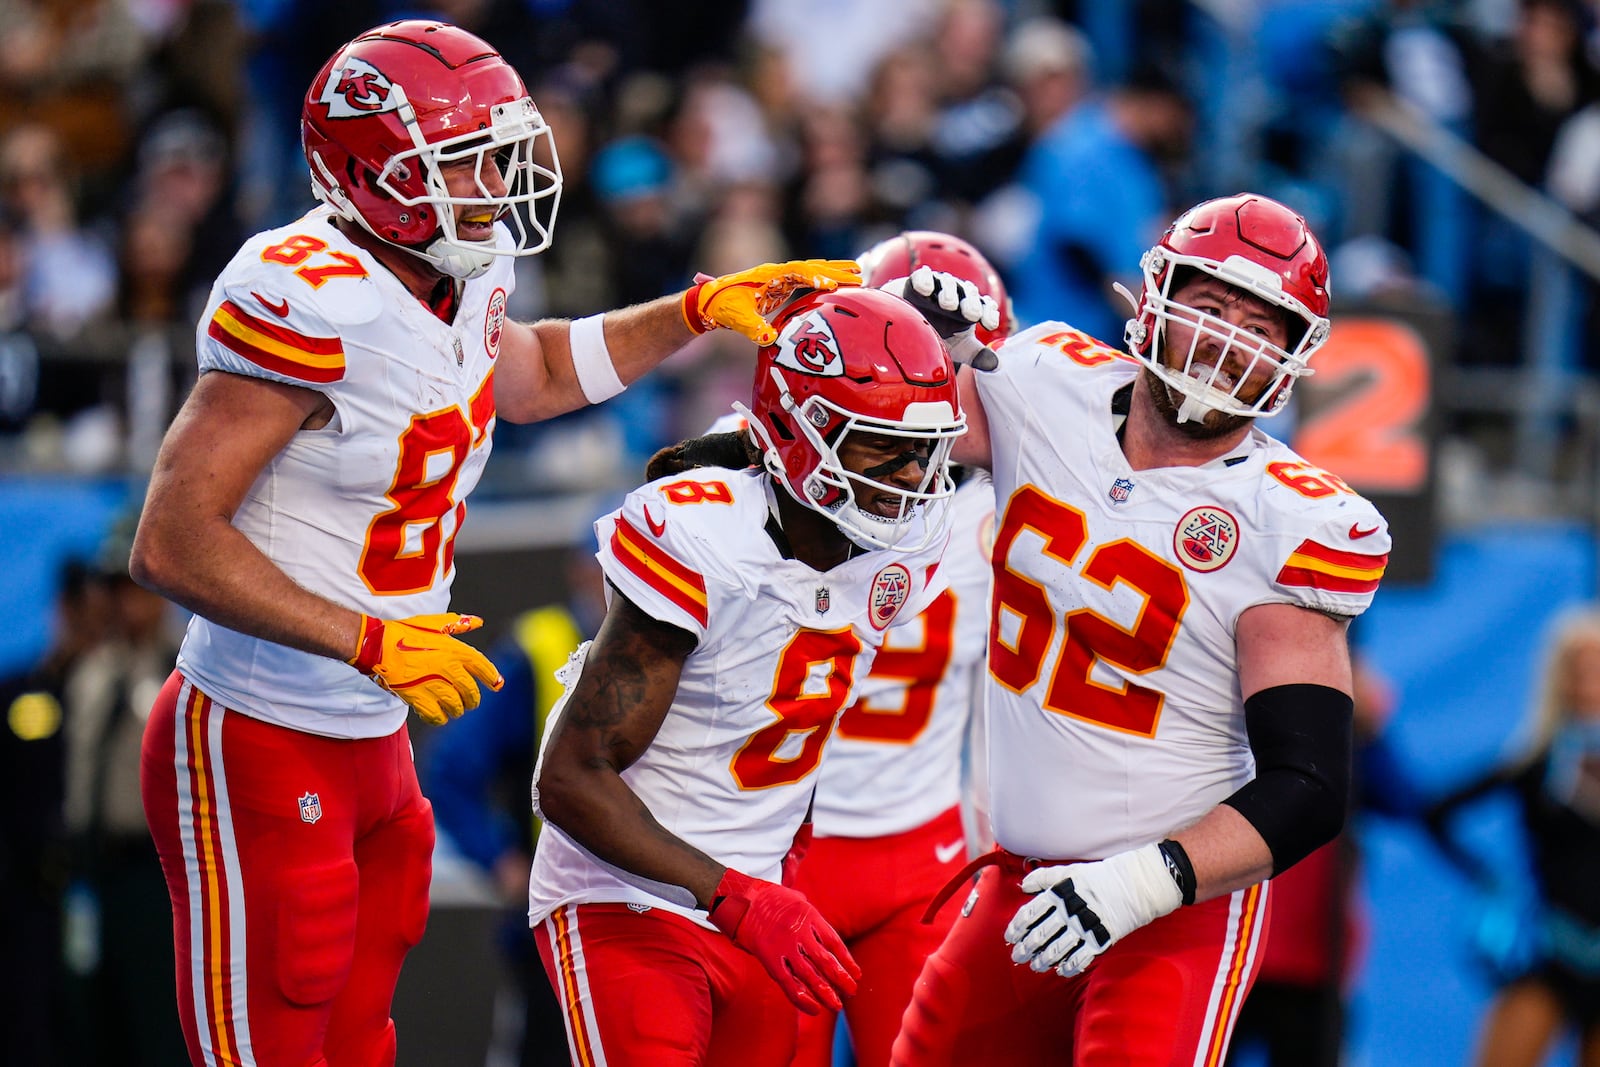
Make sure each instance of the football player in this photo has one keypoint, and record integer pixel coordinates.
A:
(304, 507)
(887, 819)
(1168, 699)
(746, 603)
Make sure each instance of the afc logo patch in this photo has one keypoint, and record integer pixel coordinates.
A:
(807, 345)
(494, 322)
(890, 591)
(358, 88)
(1206, 538)
(310, 808)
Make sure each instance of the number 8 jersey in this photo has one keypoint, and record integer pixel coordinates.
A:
(781, 650)
(363, 511)
(1115, 715)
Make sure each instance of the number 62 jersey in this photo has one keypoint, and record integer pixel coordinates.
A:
(1115, 715)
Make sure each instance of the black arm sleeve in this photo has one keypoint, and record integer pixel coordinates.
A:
(1301, 737)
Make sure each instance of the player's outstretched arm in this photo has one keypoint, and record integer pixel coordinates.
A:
(548, 368)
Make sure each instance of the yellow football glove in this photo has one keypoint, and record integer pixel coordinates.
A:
(420, 661)
(739, 301)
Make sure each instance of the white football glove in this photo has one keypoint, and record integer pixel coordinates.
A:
(955, 309)
(1082, 909)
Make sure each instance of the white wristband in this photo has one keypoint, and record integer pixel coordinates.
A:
(591, 359)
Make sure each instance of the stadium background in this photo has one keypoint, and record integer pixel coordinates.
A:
(141, 139)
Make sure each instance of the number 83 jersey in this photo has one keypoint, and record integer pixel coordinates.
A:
(1115, 715)
(363, 511)
(781, 649)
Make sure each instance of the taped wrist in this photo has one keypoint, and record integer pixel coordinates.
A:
(1178, 865)
(1300, 735)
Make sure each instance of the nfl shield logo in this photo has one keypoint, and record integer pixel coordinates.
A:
(1120, 490)
(824, 600)
(310, 807)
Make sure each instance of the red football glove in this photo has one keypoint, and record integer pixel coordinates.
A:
(796, 853)
(779, 927)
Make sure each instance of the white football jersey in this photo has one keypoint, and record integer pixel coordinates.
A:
(782, 648)
(1114, 711)
(895, 759)
(365, 510)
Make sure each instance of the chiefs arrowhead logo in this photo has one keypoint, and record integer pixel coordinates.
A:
(808, 346)
(356, 89)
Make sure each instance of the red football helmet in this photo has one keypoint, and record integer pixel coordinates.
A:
(856, 360)
(396, 105)
(903, 253)
(1254, 244)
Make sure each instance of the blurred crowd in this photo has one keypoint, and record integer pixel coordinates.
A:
(141, 139)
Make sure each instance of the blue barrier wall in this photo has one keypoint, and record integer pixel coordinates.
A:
(1462, 653)
(44, 523)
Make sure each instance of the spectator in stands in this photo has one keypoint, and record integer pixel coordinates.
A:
(1097, 183)
(978, 135)
(31, 845)
(1549, 963)
(119, 921)
(71, 274)
(1418, 51)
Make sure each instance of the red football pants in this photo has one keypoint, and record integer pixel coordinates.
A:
(298, 868)
(650, 987)
(1166, 995)
(873, 892)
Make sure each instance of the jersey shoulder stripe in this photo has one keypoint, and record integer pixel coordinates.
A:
(275, 347)
(1320, 567)
(653, 565)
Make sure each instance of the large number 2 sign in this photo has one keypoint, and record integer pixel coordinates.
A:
(1017, 664)
(809, 689)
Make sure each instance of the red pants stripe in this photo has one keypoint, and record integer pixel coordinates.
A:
(1167, 995)
(298, 868)
(650, 987)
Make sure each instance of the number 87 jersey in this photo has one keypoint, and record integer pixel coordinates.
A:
(364, 510)
(1114, 708)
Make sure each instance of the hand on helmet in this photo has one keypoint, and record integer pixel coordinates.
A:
(955, 308)
(741, 301)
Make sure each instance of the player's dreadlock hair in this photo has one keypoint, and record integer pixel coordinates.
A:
(731, 449)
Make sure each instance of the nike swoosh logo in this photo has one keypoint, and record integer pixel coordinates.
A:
(657, 528)
(403, 647)
(280, 309)
(947, 853)
(1357, 532)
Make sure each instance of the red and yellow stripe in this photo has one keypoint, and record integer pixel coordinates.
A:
(1319, 567)
(577, 1026)
(218, 1010)
(651, 563)
(1236, 984)
(273, 346)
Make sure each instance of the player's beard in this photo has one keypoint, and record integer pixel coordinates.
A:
(1212, 425)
